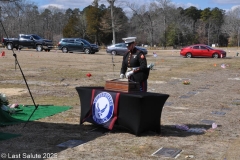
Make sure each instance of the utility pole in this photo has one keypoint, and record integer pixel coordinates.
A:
(1, 34)
(113, 27)
(0, 13)
(238, 36)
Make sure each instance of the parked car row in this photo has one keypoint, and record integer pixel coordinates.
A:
(197, 50)
(36, 42)
(82, 45)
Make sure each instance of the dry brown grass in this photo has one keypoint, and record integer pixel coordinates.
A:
(53, 76)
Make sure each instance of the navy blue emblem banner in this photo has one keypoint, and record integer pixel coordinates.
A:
(104, 108)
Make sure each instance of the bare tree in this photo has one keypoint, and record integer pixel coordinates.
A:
(164, 10)
(232, 25)
(144, 19)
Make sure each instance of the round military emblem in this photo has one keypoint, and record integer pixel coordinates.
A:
(103, 107)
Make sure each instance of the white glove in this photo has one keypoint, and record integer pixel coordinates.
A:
(150, 66)
(128, 74)
(132, 69)
(122, 76)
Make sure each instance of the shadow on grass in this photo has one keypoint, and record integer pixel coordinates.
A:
(44, 137)
(166, 130)
(170, 130)
(41, 137)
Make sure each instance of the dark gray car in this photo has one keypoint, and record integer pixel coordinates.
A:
(121, 49)
(77, 45)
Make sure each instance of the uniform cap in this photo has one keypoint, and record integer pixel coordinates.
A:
(129, 39)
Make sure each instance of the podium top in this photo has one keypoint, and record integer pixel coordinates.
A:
(118, 79)
(122, 85)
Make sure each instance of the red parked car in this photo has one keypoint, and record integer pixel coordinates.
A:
(202, 50)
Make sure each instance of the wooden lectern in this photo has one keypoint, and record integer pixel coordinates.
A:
(122, 85)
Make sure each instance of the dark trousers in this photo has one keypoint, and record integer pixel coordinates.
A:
(143, 86)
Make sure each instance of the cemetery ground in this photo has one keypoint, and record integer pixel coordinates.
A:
(212, 97)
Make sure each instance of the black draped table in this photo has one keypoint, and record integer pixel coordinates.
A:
(138, 111)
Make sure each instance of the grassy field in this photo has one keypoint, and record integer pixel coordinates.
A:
(52, 78)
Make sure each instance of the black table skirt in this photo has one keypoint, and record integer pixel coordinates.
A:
(137, 111)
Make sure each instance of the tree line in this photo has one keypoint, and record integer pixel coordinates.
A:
(159, 23)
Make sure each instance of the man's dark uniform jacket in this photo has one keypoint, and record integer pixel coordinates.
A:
(134, 59)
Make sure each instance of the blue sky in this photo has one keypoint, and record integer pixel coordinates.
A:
(200, 4)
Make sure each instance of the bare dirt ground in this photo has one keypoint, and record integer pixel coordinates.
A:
(52, 78)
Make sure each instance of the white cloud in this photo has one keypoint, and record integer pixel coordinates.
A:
(226, 1)
(235, 7)
(53, 5)
(186, 5)
(65, 4)
(191, 4)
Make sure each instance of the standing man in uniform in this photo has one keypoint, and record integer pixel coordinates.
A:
(134, 64)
